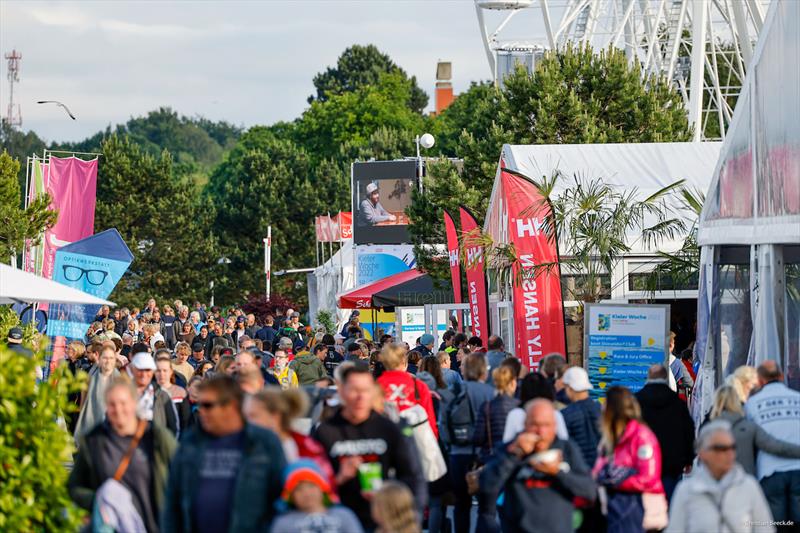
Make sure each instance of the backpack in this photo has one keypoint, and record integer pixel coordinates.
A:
(460, 419)
(430, 456)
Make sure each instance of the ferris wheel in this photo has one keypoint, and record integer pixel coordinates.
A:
(659, 34)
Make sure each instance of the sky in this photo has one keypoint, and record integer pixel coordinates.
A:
(244, 62)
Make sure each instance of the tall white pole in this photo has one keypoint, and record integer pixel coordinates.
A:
(696, 89)
(268, 257)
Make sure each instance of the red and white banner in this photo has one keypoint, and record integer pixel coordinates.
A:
(336, 228)
(476, 277)
(452, 253)
(538, 306)
(345, 225)
(72, 184)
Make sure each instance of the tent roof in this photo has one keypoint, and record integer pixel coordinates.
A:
(404, 289)
(19, 286)
(755, 194)
(645, 166)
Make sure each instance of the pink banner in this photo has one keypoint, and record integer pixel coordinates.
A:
(72, 184)
(452, 253)
(476, 277)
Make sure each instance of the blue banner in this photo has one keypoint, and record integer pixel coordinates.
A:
(94, 265)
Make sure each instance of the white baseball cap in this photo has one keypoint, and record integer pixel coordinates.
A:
(143, 361)
(577, 379)
(371, 188)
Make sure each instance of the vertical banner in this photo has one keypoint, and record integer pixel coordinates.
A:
(452, 253)
(476, 277)
(346, 225)
(34, 255)
(72, 183)
(318, 229)
(94, 265)
(538, 306)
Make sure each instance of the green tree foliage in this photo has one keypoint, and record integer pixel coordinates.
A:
(19, 145)
(362, 66)
(16, 223)
(575, 96)
(34, 448)
(160, 217)
(269, 180)
(354, 116)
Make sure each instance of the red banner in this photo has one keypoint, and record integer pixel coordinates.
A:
(476, 277)
(538, 307)
(318, 229)
(452, 252)
(346, 225)
(72, 184)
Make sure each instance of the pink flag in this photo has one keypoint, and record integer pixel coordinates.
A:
(72, 183)
(476, 276)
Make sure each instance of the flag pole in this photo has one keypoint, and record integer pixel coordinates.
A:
(268, 257)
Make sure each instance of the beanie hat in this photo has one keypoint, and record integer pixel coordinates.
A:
(306, 470)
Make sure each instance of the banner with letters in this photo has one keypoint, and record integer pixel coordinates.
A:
(477, 296)
(538, 305)
(375, 262)
(453, 255)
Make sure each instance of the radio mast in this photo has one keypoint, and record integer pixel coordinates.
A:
(14, 113)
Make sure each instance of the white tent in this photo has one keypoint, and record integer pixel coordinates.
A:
(647, 167)
(19, 286)
(334, 276)
(749, 233)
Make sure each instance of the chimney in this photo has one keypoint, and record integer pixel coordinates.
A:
(444, 89)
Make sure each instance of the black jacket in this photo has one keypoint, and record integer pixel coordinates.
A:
(497, 410)
(669, 419)
(582, 419)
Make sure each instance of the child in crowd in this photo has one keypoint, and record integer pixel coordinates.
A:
(393, 509)
(312, 504)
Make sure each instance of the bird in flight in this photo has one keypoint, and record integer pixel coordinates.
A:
(59, 104)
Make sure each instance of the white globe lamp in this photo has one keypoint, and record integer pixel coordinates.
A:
(427, 141)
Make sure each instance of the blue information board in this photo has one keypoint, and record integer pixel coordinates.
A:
(621, 342)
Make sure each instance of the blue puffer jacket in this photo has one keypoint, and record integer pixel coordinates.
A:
(582, 419)
(497, 410)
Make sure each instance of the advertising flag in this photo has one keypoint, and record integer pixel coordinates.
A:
(34, 254)
(94, 265)
(476, 277)
(452, 253)
(538, 306)
(346, 225)
(72, 184)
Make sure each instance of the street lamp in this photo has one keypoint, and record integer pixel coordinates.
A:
(425, 140)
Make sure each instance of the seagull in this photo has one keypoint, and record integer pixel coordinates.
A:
(59, 104)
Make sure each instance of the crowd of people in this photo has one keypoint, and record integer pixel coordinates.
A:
(204, 421)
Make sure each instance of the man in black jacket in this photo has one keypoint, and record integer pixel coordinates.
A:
(669, 419)
(359, 441)
(540, 475)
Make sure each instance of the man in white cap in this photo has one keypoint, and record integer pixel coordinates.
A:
(371, 211)
(154, 402)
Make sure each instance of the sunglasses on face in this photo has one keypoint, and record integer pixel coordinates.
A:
(209, 405)
(719, 448)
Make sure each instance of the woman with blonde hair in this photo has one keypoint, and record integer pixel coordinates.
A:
(393, 509)
(628, 465)
(743, 380)
(401, 387)
(277, 409)
(750, 437)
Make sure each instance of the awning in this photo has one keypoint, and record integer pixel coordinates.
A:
(18, 286)
(410, 288)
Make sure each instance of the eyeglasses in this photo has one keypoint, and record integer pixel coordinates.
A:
(719, 448)
(209, 405)
(94, 277)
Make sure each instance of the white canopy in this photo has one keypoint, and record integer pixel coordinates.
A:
(19, 286)
(333, 277)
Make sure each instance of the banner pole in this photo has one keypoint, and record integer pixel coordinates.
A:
(268, 258)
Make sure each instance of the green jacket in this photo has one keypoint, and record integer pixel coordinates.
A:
(258, 484)
(308, 368)
(84, 480)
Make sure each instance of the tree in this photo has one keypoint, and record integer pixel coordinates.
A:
(269, 180)
(34, 448)
(352, 117)
(574, 96)
(18, 224)
(161, 218)
(19, 145)
(361, 66)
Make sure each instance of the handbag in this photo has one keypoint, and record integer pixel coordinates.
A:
(474, 475)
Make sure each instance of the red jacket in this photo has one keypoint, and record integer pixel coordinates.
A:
(308, 448)
(638, 448)
(398, 387)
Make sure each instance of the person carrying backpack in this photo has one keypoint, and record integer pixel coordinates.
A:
(460, 419)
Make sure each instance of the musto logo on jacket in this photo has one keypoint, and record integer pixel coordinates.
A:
(359, 447)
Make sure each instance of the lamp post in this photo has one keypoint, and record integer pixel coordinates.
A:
(425, 140)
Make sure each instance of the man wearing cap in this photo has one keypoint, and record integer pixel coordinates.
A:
(14, 342)
(425, 347)
(154, 403)
(198, 354)
(668, 417)
(371, 211)
(582, 415)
